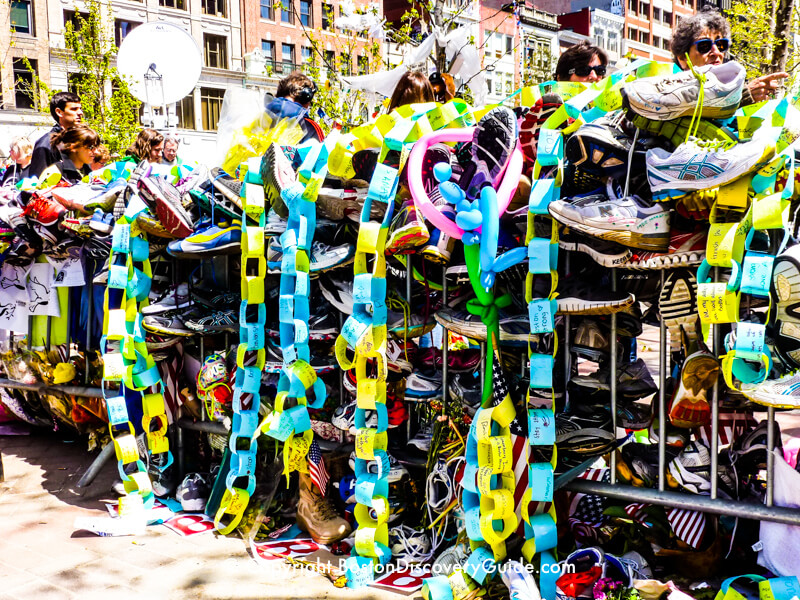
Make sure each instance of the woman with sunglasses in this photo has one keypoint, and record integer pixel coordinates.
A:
(705, 39)
(582, 62)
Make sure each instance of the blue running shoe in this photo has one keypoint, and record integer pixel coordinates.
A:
(225, 238)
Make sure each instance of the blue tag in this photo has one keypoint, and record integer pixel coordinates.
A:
(121, 238)
(541, 427)
(542, 256)
(541, 315)
(542, 194)
(359, 571)
(757, 273)
(480, 564)
(540, 481)
(118, 277)
(550, 149)
(541, 371)
(117, 410)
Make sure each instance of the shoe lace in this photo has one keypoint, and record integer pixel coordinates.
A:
(395, 303)
(694, 124)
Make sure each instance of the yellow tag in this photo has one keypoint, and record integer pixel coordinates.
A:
(716, 304)
(114, 367)
(734, 195)
(130, 504)
(368, 234)
(126, 449)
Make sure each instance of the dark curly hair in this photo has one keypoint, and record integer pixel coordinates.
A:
(144, 142)
(690, 28)
(576, 56)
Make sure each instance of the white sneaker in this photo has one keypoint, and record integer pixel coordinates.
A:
(519, 581)
(671, 96)
(409, 546)
(697, 165)
(780, 393)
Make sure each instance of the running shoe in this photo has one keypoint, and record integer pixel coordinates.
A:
(175, 298)
(691, 469)
(786, 284)
(440, 246)
(409, 546)
(216, 322)
(396, 470)
(633, 380)
(514, 329)
(629, 221)
(193, 493)
(637, 463)
(323, 258)
(779, 393)
(677, 305)
(579, 297)
(420, 386)
(229, 187)
(278, 175)
(604, 253)
(407, 232)
(165, 200)
(696, 165)
(422, 441)
(786, 335)
(84, 198)
(676, 95)
(77, 226)
(494, 139)
(338, 291)
(686, 248)
(689, 407)
(600, 148)
(210, 241)
(465, 388)
(533, 120)
(274, 361)
(170, 323)
(44, 211)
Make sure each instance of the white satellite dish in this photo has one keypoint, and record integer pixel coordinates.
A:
(161, 62)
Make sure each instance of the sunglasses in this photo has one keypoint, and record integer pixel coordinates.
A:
(600, 70)
(704, 45)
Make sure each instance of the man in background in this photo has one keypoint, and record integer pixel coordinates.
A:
(170, 154)
(65, 107)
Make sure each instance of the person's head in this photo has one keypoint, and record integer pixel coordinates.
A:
(21, 150)
(444, 87)
(66, 109)
(705, 37)
(78, 143)
(171, 144)
(149, 145)
(582, 62)
(413, 87)
(101, 157)
(298, 88)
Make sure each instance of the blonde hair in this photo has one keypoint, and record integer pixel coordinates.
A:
(21, 145)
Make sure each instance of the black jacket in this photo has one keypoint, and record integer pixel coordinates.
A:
(44, 154)
(69, 172)
(14, 173)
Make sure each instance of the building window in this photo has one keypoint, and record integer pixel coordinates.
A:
(287, 56)
(363, 65)
(613, 45)
(487, 41)
(21, 17)
(25, 92)
(644, 10)
(509, 44)
(668, 18)
(498, 86)
(305, 56)
(211, 106)
(178, 4)
(633, 5)
(268, 48)
(330, 61)
(632, 35)
(347, 64)
(656, 41)
(509, 83)
(665, 44)
(215, 8)
(266, 9)
(287, 16)
(488, 77)
(656, 14)
(184, 110)
(644, 37)
(327, 16)
(216, 51)
(122, 29)
(305, 13)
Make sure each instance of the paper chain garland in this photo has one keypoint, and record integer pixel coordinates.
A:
(298, 376)
(129, 280)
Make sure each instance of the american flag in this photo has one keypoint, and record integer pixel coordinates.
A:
(732, 424)
(586, 511)
(316, 467)
(689, 525)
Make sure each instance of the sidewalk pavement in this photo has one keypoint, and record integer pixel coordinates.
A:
(43, 557)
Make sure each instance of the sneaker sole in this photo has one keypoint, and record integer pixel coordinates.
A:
(709, 112)
(228, 194)
(579, 306)
(605, 260)
(677, 130)
(786, 283)
(167, 331)
(654, 242)
(474, 332)
(406, 240)
(667, 261)
(677, 305)
(688, 481)
(274, 168)
(497, 125)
